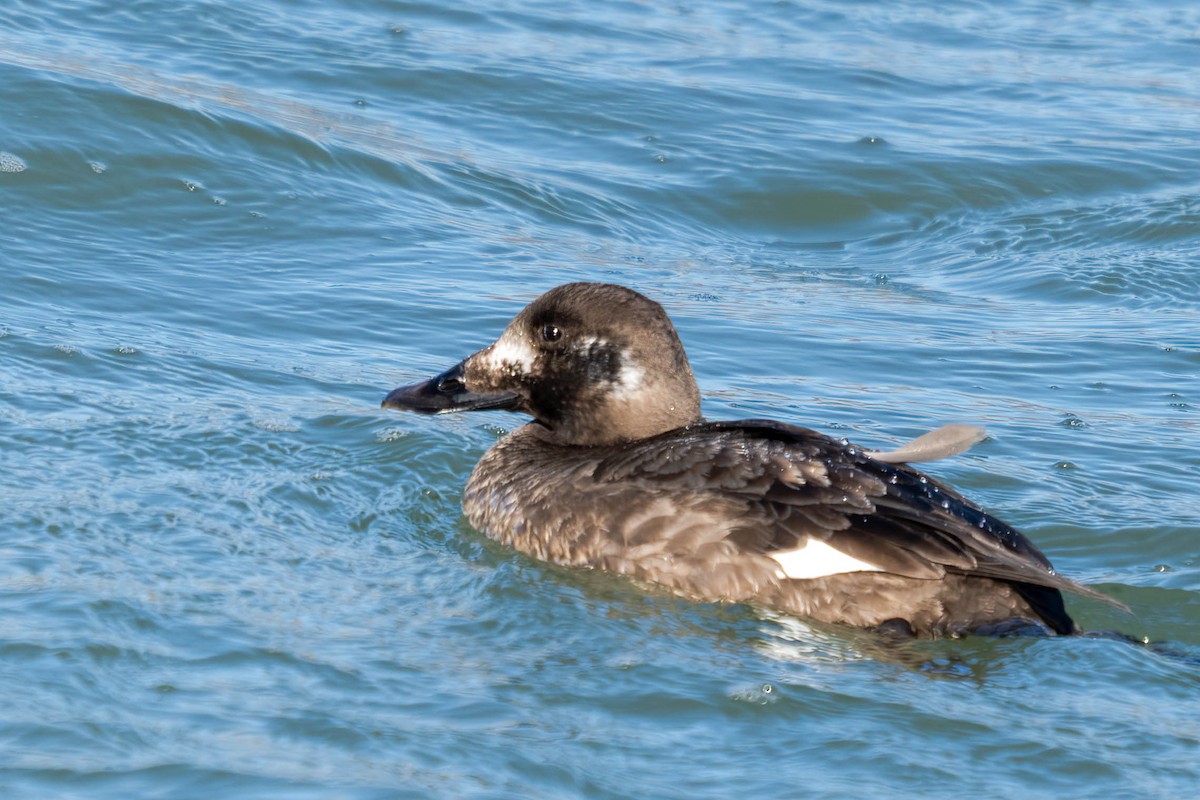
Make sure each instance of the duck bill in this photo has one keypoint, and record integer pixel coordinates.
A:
(446, 393)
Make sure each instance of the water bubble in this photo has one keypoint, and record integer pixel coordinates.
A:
(275, 425)
(390, 434)
(762, 695)
(98, 167)
(11, 163)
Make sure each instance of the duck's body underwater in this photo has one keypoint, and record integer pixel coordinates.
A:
(618, 471)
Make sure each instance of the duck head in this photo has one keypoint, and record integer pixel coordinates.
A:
(593, 363)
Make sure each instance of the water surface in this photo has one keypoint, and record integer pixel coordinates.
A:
(229, 229)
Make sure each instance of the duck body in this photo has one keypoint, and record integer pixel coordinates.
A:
(619, 472)
(717, 512)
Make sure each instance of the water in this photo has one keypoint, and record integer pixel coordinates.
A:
(228, 229)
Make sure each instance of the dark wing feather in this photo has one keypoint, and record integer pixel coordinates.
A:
(796, 483)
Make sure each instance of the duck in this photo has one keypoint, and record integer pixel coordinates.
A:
(617, 470)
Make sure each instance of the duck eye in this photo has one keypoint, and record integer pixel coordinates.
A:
(551, 333)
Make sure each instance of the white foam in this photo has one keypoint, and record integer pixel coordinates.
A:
(817, 560)
(11, 163)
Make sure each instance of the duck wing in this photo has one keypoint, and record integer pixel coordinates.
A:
(819, 506)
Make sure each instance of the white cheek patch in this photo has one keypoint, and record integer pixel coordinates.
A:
(817, 560)
(511, 354)
(629, 379)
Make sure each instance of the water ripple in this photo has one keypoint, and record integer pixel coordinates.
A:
(225, 571)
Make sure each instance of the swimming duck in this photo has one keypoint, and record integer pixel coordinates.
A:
(619, 471)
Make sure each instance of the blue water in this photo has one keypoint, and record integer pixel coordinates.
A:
(227, 229)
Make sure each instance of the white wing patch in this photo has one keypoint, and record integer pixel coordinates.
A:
(817, 560)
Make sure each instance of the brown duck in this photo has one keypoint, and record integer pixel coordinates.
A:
(618, 471)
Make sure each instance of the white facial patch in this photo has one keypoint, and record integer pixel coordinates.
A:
(511, 354)
(817, 560)
(629, 379)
